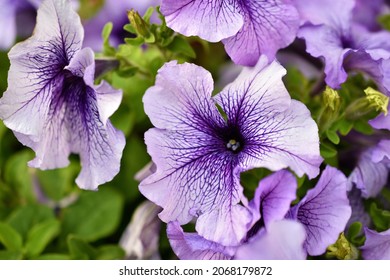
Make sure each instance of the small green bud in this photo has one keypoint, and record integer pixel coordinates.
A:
(141, 26)
(331, 98)
(377, 100)
(342, 249)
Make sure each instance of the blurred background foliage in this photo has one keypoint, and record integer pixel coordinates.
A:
(44, 215)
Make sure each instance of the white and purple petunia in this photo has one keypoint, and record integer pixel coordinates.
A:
(377, 245)
(199, 154)
(331, 33)
(52, 104)
(247, 28)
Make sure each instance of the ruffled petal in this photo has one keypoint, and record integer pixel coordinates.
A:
(278, 132)
(191, 246)
(334, 13)
(377, 245)
(369, 176)
(273, 197)
(283, 240)
(325, 42)
(268, 27)
(210, 20)
(324, 211)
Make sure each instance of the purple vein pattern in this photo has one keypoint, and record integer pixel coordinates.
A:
(199, 154)
(248, 28)
(53, 106)
(324, 211)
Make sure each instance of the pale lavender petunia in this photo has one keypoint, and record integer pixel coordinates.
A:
(377, 245)
(247, 28)
(367, 13)
(324, 211)
(331, 33)
(52, 104)
(199, 155)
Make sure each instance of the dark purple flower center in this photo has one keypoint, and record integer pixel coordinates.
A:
(233, 139)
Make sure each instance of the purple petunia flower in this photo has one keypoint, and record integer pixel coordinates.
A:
(53, 106)
(324, 211)
(247, 28)
(199, 155)
(331, 33)
(377, 245)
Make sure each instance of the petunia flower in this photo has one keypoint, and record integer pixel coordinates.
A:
(247, 28)
(324, 211)
(331, 33)
(199, 154)
(377, 245)
(52, 104)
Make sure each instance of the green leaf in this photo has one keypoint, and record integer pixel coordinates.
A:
(10, 238)
(94, 215)
(79, 249)
(108, 50)
(53, 256)
(333, 137)
(327, 150)
(363, 127)
(16, 166)
(344, 127)
(380, 217)
(179, 45)
(355, 234)
(110, 252)
(24, 218)
(384, 20)
(10, 255)
(40, 236)
(57, 183)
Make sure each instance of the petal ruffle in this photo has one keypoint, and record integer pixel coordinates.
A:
(324, 211)
(210, 20)
(283, 240)
(268, 27)
(278, 132)
(273, 197)
(369, 176)
(377, 245)
(191, 246)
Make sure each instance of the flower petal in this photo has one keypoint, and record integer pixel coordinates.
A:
(369, 176)
(140, 239)
(268, 26)
(210, 20)
(324, 41)
(8, 24)
(377, 245)
(35, 67)
(191, 246)
(324, 211)
(278, 132)
(273, 197)
(283, 240)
